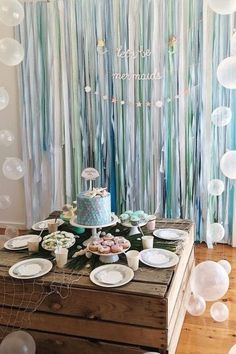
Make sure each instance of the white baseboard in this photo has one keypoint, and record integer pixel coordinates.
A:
(19, 225)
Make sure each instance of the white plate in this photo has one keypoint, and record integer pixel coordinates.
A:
(158, 258)
(19, 243)
(170, 234)
(43, 225)
(57, 236)
(111, 275)
(30, 268)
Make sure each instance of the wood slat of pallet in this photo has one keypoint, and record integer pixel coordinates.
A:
(110, 331)
(178, 276)
(148, 311)
(61, 344)
(179, 299)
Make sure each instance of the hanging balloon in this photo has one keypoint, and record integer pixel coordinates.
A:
(233, 44)
(215, 232)
(11, 52)
(226, 265)
(222, 7)
(11, 12)
(219, 312)
(13, 168)
(4, 98)
(209, 280)
(226, 73)
(232, 350)
(19, 342)
(216, 187)
(228, 164)
(196, 305)
(6, 138)
(221, 116)
(5, 201)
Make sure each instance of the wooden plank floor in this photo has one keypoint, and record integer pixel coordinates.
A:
(202, 334)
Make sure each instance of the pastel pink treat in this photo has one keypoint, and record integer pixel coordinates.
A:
(120, 239)
(108, 243)
(93, 247)
(108, 237)
(104, 249)
(126, 244)
(116, 248)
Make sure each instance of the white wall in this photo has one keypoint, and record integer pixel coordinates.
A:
(10, 120)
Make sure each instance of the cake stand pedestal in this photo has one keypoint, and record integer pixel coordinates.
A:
(114, 220)
(109, 259)
(134, 230)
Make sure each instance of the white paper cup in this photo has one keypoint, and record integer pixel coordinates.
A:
(33, 244)
(147, 242)
(151, 225)
(52, 226)
(133, 259)
(61, 256)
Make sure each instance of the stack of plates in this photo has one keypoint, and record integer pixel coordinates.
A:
(19, 243)
(111, 275)
(158, 258)
(170, 234)
(30, 268)
(43, 225)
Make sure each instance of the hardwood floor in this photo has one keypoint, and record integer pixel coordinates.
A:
(202, 335)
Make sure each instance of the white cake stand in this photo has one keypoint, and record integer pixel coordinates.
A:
(134, 230)
(110, 257)
(114, 220)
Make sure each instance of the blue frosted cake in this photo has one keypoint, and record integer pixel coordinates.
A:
(94, 207)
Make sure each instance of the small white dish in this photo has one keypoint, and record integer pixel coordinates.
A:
(30, 268)
(43, 225)
(158, 258)
(170, 234)
(111, 275)
(19, 243)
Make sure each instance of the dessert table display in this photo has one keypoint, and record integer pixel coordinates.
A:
(89, 307)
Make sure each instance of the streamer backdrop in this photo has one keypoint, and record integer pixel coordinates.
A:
(145, 137)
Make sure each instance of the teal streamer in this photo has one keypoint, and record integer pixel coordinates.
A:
(137, 150)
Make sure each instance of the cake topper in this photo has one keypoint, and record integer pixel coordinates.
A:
(90, 174)
(102, 192)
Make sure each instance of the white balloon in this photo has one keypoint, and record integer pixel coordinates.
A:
(223, 7)
(216, 187)
(4, 98)
(196, 305)
(233, 44)
(226, 72)
(228, 164)
(219, 312)
(221, 116)
(13, 168)
(215, 232)
(11, 52)
(232, 350)
(226, 265)
(6, 138)
(5, 201)
(11, 12)
(209, 280)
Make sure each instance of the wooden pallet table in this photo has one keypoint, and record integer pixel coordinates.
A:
(66, 313)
